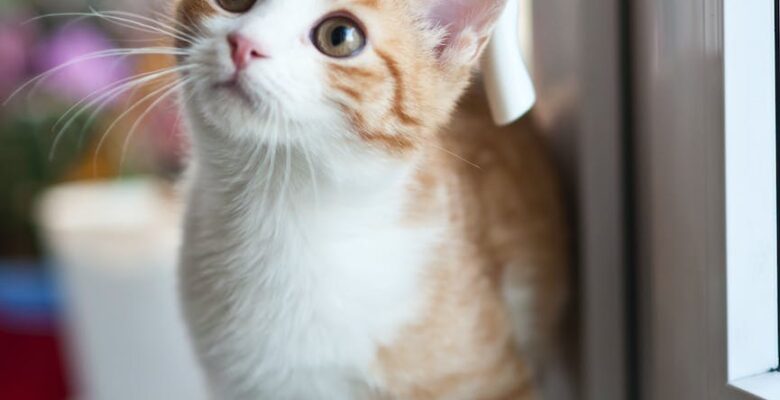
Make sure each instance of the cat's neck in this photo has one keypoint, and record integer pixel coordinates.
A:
(302, 247)
(346, 218)
(277, 182)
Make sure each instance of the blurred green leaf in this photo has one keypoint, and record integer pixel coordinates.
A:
(26, 168)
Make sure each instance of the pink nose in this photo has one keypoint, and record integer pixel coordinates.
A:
(243, 50)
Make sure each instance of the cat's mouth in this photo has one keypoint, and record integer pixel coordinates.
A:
(235, 87)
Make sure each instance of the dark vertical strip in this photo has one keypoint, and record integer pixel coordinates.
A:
(631, 283)
(777, 152)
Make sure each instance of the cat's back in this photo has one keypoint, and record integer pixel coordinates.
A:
(508, 179)
(498, 282)
(513, 211)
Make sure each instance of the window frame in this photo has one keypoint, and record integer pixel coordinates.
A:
(580, 76)
(751, 196)
(690, 96)
(705, 147)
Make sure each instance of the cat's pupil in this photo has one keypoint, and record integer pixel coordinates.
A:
(340, 35)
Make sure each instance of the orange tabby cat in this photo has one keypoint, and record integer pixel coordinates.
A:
(340, 241)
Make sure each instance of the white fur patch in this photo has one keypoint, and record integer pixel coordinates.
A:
(289, 291)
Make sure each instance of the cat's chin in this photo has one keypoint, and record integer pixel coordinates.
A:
(234, 89)
(245, 121)
(230, 106)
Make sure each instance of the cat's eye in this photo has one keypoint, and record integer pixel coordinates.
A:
(339, 37)
(236, 6)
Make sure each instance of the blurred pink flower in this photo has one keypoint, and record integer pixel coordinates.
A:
(15, 40)
(84, 77)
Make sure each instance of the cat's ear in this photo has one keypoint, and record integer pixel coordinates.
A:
(466, 26)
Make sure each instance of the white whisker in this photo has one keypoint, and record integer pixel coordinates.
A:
(92, 56)
(315, 187)
(272, 147)
(287, 166)
(125, 113)
(117, 18)
(114, 85)
(104, 99)
(146, 112)
(455, 155)
(194, 30)
(158, 27)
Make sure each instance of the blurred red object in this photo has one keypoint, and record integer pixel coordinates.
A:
(31, 360)
(31, 367)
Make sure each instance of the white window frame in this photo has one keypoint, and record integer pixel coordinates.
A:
(751, 191)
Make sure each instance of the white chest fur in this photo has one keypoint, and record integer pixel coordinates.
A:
(289, 296)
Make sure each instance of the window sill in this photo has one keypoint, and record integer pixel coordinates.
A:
(764, 386)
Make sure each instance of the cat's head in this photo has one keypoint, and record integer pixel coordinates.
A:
(379, 73)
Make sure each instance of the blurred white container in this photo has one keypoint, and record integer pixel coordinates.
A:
(115, 245)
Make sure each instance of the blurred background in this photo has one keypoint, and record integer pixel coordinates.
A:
(87, 211)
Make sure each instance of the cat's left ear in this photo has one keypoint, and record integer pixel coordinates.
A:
(467, 26)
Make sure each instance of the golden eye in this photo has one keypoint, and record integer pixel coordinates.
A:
(339, 37)
(236, 6)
